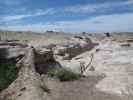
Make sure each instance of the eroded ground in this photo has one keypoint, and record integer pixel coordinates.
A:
(109, 71)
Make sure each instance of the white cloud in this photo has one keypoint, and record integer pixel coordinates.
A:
(129, 2)
(39, 12)
(15, 17)
(85, 8)
(100, 7)
(117, 23)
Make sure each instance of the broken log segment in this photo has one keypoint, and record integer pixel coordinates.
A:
(28, 79)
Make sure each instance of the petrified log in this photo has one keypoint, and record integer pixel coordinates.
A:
(75, 47)
(27, 85)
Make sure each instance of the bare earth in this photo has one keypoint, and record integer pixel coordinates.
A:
(112, 78)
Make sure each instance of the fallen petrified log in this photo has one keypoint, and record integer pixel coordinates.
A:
(28, 83)
(125, 45)
(74, 47)
(13, 43)
(11, 49)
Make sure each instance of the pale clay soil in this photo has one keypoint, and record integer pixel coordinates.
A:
(112, 79)
(113, 75)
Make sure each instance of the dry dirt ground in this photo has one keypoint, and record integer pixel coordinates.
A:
(112, 78)
(83, 89)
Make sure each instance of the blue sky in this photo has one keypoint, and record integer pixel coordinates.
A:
(67, 15)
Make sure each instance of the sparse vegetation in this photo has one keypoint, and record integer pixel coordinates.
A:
(8, 73)
(63, 74)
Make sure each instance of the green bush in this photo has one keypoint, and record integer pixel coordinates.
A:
(63, 75)
(8, 73)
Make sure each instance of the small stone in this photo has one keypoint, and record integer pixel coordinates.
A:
(92, 68)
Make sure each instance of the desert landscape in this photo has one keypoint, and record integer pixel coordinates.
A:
(66, 66)
(66, 49)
